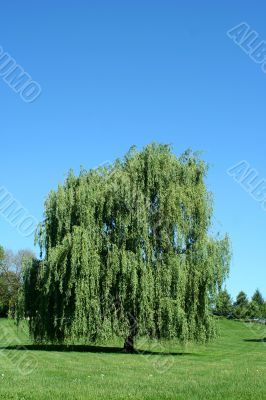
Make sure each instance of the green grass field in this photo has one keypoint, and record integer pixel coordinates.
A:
(232, 367)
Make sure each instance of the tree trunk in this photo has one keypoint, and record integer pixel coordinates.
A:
(129, 341)
(129, 344)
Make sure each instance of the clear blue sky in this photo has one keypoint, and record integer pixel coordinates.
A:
(117, 73)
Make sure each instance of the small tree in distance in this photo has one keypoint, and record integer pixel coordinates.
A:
(224, 304)
(258, 298)
(253, 310)
(241, 305)
(11, 279)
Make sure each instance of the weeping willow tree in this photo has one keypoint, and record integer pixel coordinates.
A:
(126, 251)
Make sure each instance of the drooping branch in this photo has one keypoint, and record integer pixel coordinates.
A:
(135, 232)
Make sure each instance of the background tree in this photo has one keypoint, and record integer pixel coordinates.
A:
(2, 254)
(241, 305)
(224, 304)
(256, 307)
(258, 298)
(263, 310)
(3, 310)
(253, 310)
(127, 252)
(11, 279)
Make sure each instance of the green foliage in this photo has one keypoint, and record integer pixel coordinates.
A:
(3, 308)
(241, 299)
(253, 310)
(2, 254)
(241, 305)
(258, 298)
(263, 310)
(11, 280)
(127, 252)
(8, 290)
(224, 305)
(245, 309)
(257, 306)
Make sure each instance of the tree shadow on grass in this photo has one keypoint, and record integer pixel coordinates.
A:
(262, 340)
(90, 349)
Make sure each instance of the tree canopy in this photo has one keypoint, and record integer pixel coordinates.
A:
(126, 250)
(258, 298)
(224, 304)
(241, 305)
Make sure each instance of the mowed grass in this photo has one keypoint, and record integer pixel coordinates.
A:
(232, 367)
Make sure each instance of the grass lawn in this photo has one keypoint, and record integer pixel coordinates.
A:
(232, 367)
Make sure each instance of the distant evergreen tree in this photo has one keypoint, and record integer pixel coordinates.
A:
(263, 310)
(127, 251)
(257, 298)
(253, 310)
(224, 304)
(241, 305)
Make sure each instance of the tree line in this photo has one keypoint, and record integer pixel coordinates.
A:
(242, 307)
